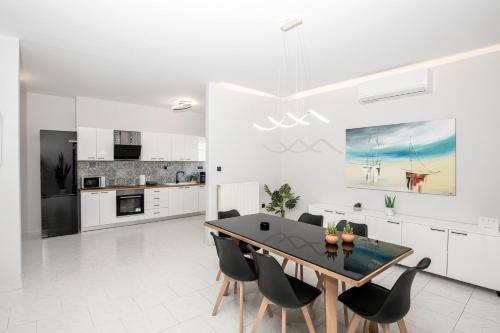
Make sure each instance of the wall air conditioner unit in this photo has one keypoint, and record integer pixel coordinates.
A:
(398, 85)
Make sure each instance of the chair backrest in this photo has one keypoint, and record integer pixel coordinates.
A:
(312, 219)
(273, 283)
(359, 229)
(228, 214)
(231, 260)
(397, 304)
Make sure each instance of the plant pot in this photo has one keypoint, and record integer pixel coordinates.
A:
(357, 209)
(348, 238)
(389, 211)
(331, 239)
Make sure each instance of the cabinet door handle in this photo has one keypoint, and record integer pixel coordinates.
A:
(187, 187)
(327, 211)
(440, 230)
(392, 222)
(104, 192)
(156, 205)
(94, 193)
(156, 198)
(91, 158)
(459, 233)
(340, 213)
(157, 191)
(156, 213)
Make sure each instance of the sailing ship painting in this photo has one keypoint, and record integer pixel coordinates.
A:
(411, 157)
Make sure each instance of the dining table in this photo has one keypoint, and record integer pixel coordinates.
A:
(354, 263)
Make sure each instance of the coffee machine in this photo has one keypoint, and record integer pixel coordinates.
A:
(202, 177)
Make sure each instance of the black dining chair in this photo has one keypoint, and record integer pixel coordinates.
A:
(236, 268)
(243, 246)
(379, 305)
(311, 219)
(283, 290)
(359, 229)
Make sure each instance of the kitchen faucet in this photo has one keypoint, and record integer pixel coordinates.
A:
(177, 176)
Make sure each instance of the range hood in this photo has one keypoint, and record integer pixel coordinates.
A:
(127, 145)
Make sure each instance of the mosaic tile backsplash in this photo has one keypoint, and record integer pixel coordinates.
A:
(127, 172)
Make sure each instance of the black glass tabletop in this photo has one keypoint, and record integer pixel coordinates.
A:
(306, 242)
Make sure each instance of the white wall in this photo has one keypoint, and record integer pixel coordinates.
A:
(92, 112)
(10, 226)
(234, 144)
(467, 91)
(39, 112)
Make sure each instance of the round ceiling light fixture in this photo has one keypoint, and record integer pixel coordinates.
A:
(182, 105)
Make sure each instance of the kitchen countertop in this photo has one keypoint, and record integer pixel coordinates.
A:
(135, 187)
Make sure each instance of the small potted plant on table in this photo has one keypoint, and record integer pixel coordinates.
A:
(358, 207)
(389, 205)
(348, 234)
(331, 234)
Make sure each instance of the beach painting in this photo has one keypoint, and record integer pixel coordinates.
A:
(414, 157)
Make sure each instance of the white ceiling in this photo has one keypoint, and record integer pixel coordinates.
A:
(155, 51)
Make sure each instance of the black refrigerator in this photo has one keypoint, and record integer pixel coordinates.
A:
(58, 183)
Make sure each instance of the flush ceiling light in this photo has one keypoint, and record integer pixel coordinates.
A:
(182, 105)
(298, 116)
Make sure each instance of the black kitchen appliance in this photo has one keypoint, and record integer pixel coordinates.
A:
(203, 177)
(127, 145)
(129, 202)
(58, 183)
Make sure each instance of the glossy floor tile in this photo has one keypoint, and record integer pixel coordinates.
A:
(160, 277)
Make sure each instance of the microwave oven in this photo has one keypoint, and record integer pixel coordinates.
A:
(93, 182)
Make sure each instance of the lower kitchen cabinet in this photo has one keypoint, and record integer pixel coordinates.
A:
(386, 230)
(473, 258)
(190, 199)
(184, 200)
(202, 198)
(156, 213)
(97, 208)
(176, 201)
(426, 241)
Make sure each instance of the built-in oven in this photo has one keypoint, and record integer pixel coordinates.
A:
(129, 202)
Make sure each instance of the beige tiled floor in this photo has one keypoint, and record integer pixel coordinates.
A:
(160, 277)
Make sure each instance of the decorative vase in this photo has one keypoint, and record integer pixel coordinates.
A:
(331, 239)
(389, 211)
(348, 238)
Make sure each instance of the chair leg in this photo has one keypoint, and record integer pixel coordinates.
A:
(354, 323)
(301, 273)
(217, 278)
(402, 326)
(242, 299)
(223, 288)
(307, 317)
(226, 291)
(319, 285)
(284, 263)
(235, 287)
(386, 328)
(366, 326)
(373, 327)
(296, 270)
(283, 320)
(260, 314)
(346, 313)
(269, 311)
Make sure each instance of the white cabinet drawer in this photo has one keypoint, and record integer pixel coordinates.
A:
(156, 213)
(473, 258)
(155, 204)
(426, 241)
(351, 217)
(151, 195)
(387, 230)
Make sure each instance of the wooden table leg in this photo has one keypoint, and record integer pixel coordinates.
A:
(373, 328)
(331, 302)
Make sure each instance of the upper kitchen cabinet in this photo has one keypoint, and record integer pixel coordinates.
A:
(156, 147)
(95, 144)
(188, 148)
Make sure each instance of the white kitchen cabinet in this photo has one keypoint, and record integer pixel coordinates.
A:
(87, 142)
(176, 201)
(95, 144)
(387, 230)
(202, 198)
(473, 258)
(190, 198)
(188, 148)
(426, 241)
(331, 215)
(157, 213)
(90, 209)
(156, 147)
(105, 146)
(107, 207)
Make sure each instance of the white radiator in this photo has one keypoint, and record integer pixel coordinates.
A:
(243, 197)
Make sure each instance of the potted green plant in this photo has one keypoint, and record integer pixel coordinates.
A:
(281, 199)
(61, 172)
(389, 204)
(358, 206)
(348, 233)
(331, 234)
